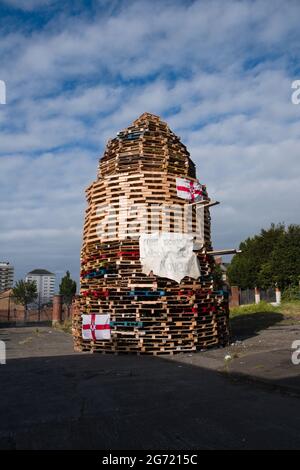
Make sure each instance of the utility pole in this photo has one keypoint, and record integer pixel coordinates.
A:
(8, 308)
(39, 307)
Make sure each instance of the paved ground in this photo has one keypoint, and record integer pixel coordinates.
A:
(264, 357)
(52, 398)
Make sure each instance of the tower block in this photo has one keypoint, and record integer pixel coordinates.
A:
(144, 210)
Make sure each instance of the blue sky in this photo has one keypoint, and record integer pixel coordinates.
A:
(77, 72)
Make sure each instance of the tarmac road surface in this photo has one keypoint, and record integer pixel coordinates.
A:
(52, 398)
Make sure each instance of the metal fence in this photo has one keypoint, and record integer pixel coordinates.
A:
(247, 296)
(15, 316)
(268, 295)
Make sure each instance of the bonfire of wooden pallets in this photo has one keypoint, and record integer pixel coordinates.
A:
(148, 314)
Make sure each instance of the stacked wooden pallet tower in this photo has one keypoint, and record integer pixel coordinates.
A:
(148, 314)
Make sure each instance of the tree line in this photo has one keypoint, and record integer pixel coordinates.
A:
(269, 259)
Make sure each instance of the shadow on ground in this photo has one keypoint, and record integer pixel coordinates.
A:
(247, 325)
(138, 402)
(28, 324)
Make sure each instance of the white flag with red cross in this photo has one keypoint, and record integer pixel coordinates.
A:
(187, 189)
(96, 326)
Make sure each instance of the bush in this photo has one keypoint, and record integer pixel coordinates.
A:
(291, 293)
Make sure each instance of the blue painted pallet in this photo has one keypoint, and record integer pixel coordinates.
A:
(138, 324)
(145, 293)
(101, 272)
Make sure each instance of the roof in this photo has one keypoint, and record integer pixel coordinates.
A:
(5, 293)
(40, 272)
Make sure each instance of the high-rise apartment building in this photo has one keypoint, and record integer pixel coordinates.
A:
(45, 283)
(6, 276)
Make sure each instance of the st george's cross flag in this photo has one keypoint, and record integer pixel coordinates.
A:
(96, 326)
(187, 189)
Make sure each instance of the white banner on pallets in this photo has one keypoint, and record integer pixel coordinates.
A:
(169, 255)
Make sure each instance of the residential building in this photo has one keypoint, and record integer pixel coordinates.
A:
(45, 283)
(6, 276)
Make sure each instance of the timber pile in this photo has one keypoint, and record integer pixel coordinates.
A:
(148, 314)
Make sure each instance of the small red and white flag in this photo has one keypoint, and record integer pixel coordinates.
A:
(96, 326)
(187, 189)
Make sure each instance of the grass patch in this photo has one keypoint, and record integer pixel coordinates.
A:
(253, 308)
(65, 326)
(248, 320)
(287, 309)
(291, 308)
(291, 312)
(26, 340)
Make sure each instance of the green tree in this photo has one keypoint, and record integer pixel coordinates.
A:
(285, 259)
(24, 293)
(250, 268)
(67, 289)
(265, 276)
